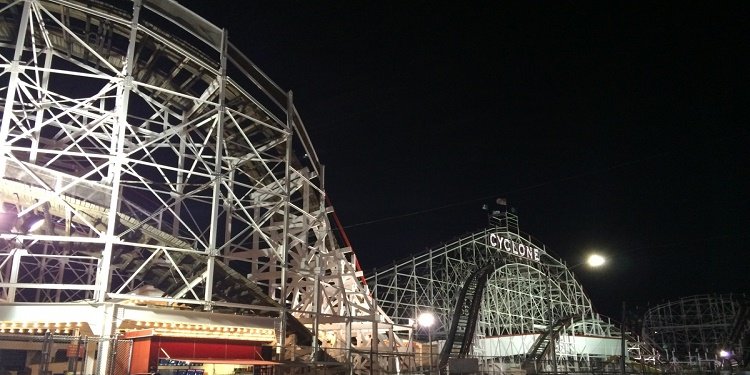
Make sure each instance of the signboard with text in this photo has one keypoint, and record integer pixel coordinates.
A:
(509, 246)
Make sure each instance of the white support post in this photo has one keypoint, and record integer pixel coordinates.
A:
(107, 327)
(103, 277)
(285, 234)
(15, 269)
(374, 339)
(117, 159)
(40, 111)
(180, 180)
(316, 316)
(10, 94)
(348, 330)
(217, 179)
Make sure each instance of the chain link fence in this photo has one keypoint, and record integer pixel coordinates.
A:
(52, 354)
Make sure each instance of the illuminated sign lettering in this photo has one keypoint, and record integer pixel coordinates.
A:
(511, 247)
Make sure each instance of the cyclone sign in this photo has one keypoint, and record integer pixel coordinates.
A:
(511, 247)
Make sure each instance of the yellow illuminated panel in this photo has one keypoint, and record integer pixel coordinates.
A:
(42, 327)
(174, 329)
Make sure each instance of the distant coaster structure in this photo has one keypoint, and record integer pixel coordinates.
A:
(704, 332)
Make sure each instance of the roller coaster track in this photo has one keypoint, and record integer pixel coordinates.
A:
(463, 325)
(545, 342)
(459, 340)
(230, 286)
(461, 334)
(160, 159)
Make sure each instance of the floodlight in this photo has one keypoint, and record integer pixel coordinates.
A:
(595, 260)
(426, 319)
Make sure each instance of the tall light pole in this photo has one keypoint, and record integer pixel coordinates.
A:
(426, 320)
(551, 318)
(592, 261)
(623, 350)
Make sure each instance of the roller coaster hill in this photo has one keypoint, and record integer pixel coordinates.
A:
(162, 209)
(500, 298)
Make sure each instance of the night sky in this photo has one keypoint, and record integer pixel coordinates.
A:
(616, 127)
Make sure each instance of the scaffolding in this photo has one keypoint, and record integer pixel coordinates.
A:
(145, 159)
(702, 332)
(527, 294)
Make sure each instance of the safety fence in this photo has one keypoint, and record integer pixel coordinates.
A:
(49, 354)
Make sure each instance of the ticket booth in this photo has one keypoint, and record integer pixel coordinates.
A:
(170, 355)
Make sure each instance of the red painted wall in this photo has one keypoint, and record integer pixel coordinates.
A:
(141, 359)
(192, 348)
(148, 349)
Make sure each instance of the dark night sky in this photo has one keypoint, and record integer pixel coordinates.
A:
(620, 127)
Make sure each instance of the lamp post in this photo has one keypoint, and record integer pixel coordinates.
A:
(726, 356)
(623, 349)
(592, 261)
(426, 320)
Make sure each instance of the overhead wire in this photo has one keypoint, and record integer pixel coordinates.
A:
(593, 172)
(507, 192)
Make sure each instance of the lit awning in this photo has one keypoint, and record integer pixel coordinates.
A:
(214, 361)
(196, 330)
(39, 327)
